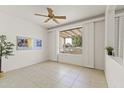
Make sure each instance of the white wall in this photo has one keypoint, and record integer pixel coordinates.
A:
(54, 49)
(114, 68)
(52, 45)
(71, 59)
(87, 56)
(114, 73)
(11, 27)
(87, 50)
(110, 26)
(88, 45)
(99, 45)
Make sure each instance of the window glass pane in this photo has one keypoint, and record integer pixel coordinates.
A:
(70, 41)
(118, 47)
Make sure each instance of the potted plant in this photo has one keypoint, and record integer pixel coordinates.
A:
(109, 50)
(6, 49)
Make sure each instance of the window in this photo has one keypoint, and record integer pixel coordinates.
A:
(70, 41)
(118, 50)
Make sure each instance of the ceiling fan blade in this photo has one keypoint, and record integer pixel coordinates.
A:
(50, 11)
(55, 20)
(47, 20)
(41, 15)
(60, 17)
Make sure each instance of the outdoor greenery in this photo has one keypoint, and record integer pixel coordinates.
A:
(76, 41)
(6, 48)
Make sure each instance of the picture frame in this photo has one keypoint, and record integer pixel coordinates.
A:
(27, 43)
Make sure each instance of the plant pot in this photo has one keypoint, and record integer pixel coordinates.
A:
(1, 74)
(110, 53)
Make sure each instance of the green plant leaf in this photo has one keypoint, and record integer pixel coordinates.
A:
(6, 48)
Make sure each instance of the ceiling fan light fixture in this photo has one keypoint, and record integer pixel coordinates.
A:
(51, 16)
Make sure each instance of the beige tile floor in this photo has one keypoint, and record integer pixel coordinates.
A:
(54, 75)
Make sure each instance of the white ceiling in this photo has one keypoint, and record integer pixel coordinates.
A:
(73, 13)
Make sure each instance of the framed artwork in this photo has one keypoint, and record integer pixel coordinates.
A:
(27, 43)
(37, 43)
(24, 43)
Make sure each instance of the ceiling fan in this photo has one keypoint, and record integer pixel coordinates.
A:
(51, 16)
